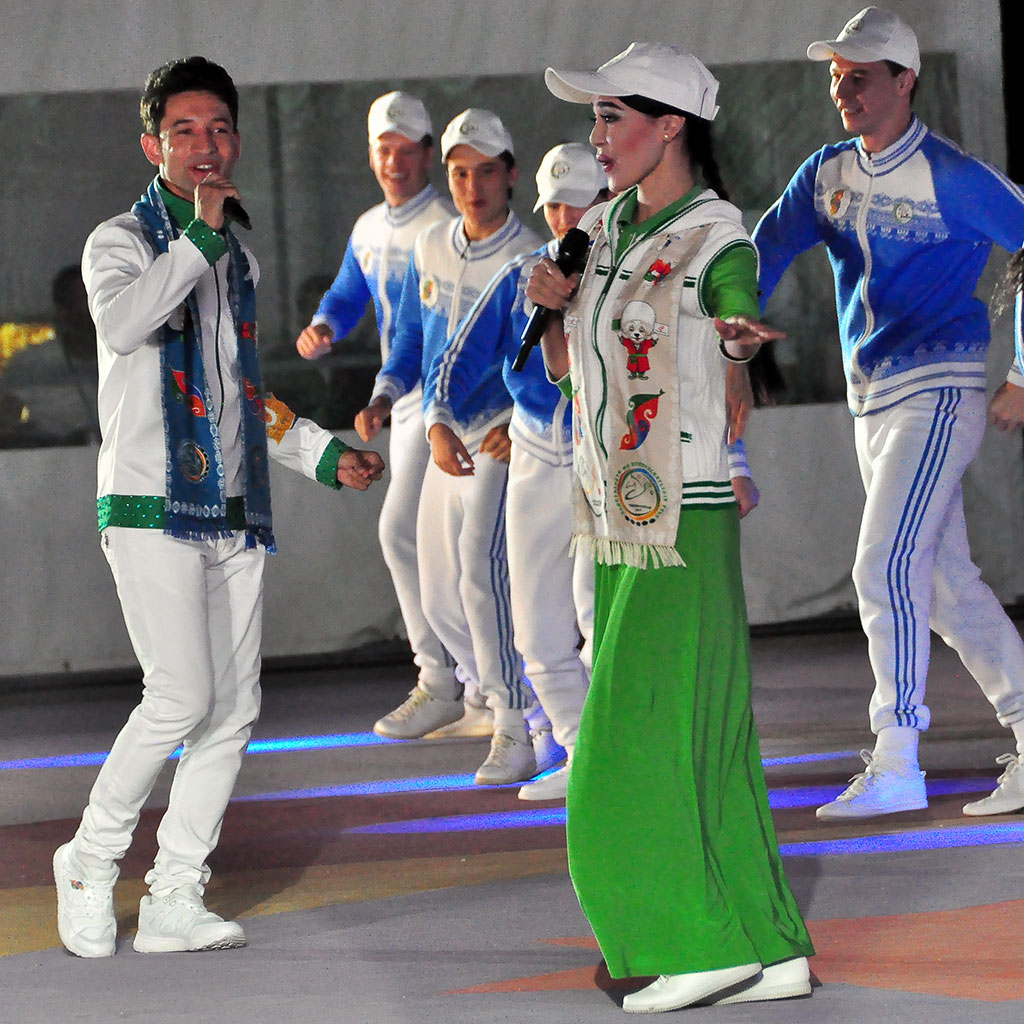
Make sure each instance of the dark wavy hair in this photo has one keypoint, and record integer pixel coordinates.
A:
(185, 74)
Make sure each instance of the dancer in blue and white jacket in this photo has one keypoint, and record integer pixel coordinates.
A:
(372, 270)
(461, 525)
(908, 220)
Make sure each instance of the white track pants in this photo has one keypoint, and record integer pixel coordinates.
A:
(549, 597)
(913, 567)
(464, 585)
(408, 457)
(193, 610)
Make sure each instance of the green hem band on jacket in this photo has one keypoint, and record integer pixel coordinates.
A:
(146, 511)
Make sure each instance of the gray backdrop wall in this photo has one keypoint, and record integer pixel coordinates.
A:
(69, 79)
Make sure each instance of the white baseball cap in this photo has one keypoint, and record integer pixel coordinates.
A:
(872, 35)
(398, 112)
(480, 129)
(656, 71)
(569, 174)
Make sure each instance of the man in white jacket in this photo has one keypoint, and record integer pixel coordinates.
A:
(184, 511)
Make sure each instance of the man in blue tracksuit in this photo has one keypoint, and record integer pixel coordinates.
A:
(461, 523)
(908, 220)
(377, 254)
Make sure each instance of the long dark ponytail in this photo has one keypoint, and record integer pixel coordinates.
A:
(698, 139)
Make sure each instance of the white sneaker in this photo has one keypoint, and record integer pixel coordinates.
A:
(417, 715)
(674, 991)
(552, 786)
(786, 980)
(180, 923)
(510, 760)
(85, 909)
(476, 721)
(888, 785)
(1009, 792)
(546, 751)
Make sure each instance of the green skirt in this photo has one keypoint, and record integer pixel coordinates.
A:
(672, 849)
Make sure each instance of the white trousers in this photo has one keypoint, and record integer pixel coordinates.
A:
(193, 610)
(913, 567)
(408, 458)
(464, 585)
(552, 593)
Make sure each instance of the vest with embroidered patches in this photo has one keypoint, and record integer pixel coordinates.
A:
(649, 418)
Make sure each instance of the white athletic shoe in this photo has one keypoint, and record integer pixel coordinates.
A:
(674, 991)
(1009, 792)
(180, 923)
(546, 751)
(786, 980)
(888, 785)
(476, 721)
(552, 786)
(417, 715)
(510, 760)
(85, 909)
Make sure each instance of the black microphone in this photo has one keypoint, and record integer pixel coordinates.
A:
(571, 256)
(233, 210)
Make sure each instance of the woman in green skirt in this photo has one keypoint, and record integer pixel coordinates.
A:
(671, 845)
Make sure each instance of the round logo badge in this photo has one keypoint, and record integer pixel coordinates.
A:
(903, 212)
(193, 462)
(640, 494)
(838, 202)
(428, 291)
(559, 169)
(366, 261)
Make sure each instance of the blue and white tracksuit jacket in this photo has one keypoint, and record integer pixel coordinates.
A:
(908, 231)
(374, 266)
(445, 277)
(488, 339)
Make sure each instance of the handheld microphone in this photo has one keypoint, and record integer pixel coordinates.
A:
(234, 211)
(571, 256)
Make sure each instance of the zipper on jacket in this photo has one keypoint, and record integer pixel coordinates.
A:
(865, 248)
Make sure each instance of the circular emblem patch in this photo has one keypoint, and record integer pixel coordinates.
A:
(640, 494)
(903, 212)
(366, 261)
(193, 462)
(428, 291)
(559, 169)
(838, 202)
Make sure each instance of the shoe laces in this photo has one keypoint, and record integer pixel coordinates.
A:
(875, 766)
(416, 699)
(501, 744)
(92, 899)
(1013, 762)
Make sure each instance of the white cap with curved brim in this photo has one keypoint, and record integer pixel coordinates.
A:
(872, 35)
(656, 71)
(398, 112)
(569, 174)
(481, 129)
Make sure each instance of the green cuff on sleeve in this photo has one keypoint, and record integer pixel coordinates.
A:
(327, 467)
(209, 242)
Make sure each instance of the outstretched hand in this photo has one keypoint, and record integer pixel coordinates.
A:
(743, 336)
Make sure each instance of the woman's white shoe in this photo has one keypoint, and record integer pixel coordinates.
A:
(786, 980)
(674, 991)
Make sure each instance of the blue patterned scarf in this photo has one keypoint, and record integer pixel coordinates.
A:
(195, 506)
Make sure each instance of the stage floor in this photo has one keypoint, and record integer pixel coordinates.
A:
(377, 884)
